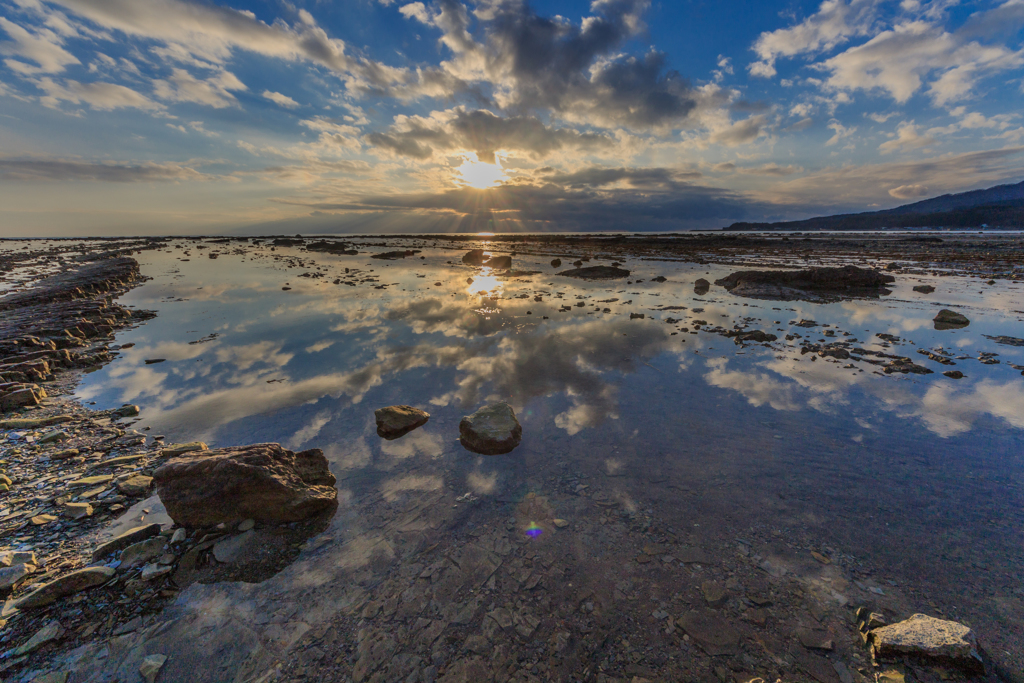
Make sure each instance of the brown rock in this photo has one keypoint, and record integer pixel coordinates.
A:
(263, 482)
(701, 287)
(139, 533)
(136, 485)
(394, 422)
(936, 641)
(712, 633)
(492, 430)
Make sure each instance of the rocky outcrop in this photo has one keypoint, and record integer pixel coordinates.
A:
(813, 284)
(596, 273)
(492, 430)
(264, 482)
(950, 320)
(394, 422)
(935, 641)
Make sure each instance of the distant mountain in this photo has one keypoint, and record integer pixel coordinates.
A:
(997, 207)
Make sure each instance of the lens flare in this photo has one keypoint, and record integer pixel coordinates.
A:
(478, 174)
(533, 531)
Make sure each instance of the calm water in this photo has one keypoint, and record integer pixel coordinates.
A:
(918, 477)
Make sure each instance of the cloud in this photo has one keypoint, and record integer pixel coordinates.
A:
(42, 46)
(909, 192)
(740, 132)
(213, 91)
(280, 100)
(98, 95)
(112, 172)
(835, 22)
(840, 131)
(907, 137)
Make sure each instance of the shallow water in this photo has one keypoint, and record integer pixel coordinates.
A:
(918, 478)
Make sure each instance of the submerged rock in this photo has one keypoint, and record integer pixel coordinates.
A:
(474, 257)
(396, 421)
(701, 287)
(813, 284)
(263, 482)
(936, 641)
(492, 430)
(950, 320)
(556, 263)
(499, 263)
(924, 289)
(596, 273)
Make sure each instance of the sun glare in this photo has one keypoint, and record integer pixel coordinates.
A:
(479, 174)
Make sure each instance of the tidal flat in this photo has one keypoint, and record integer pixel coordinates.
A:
(712, 480)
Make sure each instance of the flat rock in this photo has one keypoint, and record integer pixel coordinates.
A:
(142, 552)
(68, 584)
(596, 273)
(492, 430)
(924, 289)
(139, 533)
(78, 510)
(950, 320)
(927, 638)
(812, 284)
(183, 448)
(234, 547)
(136, 485)
(714, 593)
(51, 631)
(396, 421)
(151, 666)
(11, 577)
(263, 482)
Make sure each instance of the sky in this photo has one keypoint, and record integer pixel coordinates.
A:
(136, 117)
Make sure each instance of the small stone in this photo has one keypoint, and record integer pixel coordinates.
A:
(64, 455)
(100, 479)
(924, 289)
(701, 287)
(492, 430)
(179, 536)
(714, 593)
(394, 422)
(820, 558)
(74, 582)
(950, 320)
(154, 571)
(78, 510)
(40, 520)
(246, 525)
(127, 410)
(142, 552)
(560, 523)
(954, 374)
(53, 436)
(150, 667)
(11, 577)
(814, 639)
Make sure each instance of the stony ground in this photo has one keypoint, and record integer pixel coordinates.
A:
(463, 593)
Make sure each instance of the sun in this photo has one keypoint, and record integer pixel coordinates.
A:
(479, 174)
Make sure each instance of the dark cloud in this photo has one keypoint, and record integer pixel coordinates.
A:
(649, 178)
(483, 133)
(33, 170)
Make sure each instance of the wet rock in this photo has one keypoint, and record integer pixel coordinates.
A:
(394, 255)
(492, 430)
(1007, 341)
(954, 374)
(499, 263)
(139, 533)
(396, 421)
(142, 552)
(68, 584)
(556, 263)
(150, 667)
(905, 366)
(263, 482)
(950, 320)
(474, 257)
(813, 284)
(924, 289)
(126, 410)
(701, 287)
(183, 448)
(935, 641)
(135, 486)
(596, 273)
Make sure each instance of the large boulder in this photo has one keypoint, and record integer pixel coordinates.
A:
(812, 284)
(492, 430)
(935, 641)
(397, 421)
(263, 482)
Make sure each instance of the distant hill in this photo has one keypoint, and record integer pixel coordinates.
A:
(997, 207)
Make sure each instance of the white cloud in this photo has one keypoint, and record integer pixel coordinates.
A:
(101, 96)
(840, 132)
(42, 46)
(909, 192)
(279, 99)
(907, 137)
(213, 91)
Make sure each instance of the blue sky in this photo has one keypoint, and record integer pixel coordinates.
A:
(171, 116)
